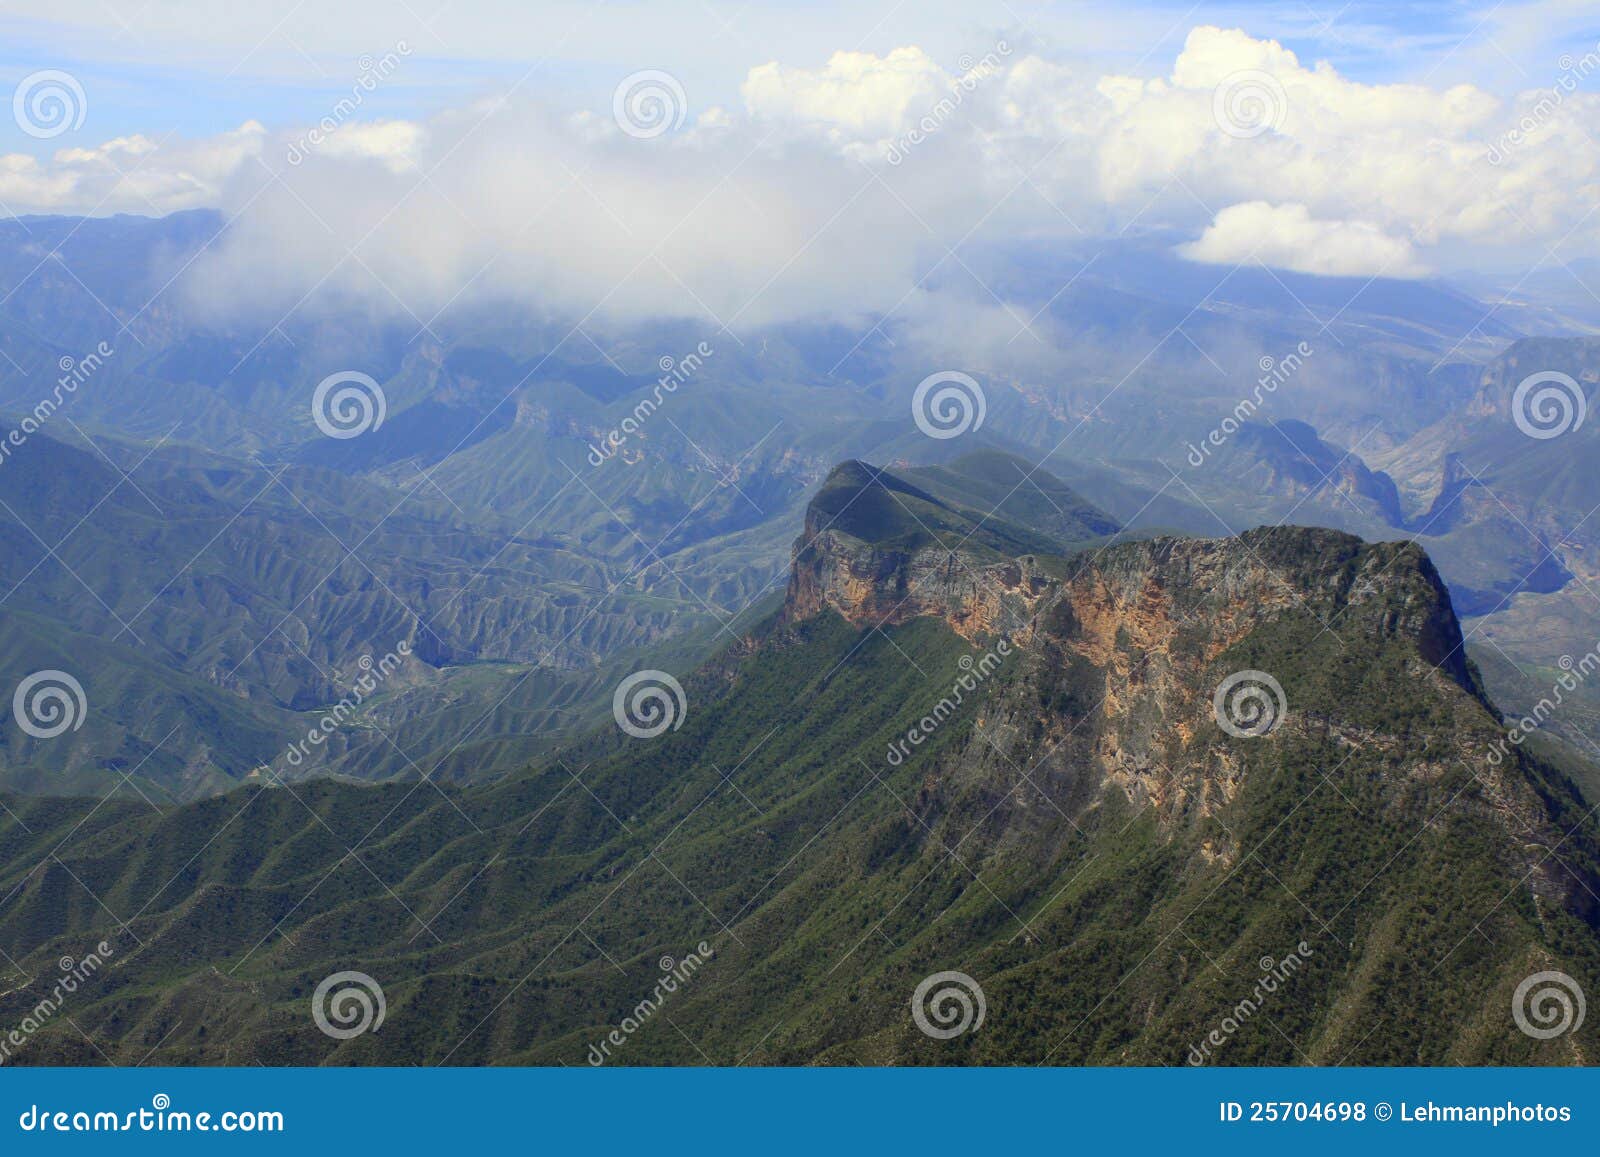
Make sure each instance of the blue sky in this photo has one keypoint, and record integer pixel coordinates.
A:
(1353, 139)
(195, 67)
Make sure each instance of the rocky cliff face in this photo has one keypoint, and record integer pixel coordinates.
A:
(1142, 665)
(873, 585)
(1155, 598)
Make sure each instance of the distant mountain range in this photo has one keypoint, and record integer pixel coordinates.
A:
(181, 535)
(989, 739)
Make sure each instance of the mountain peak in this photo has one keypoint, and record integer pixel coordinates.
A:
(895, 544)
(984, 501)
(879, 549)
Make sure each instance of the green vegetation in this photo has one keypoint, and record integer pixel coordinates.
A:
(1108, 919)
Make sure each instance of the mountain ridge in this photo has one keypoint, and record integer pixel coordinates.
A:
(1093, 832)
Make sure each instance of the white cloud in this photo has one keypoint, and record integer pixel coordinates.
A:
(135, 174)
(397, 144)
(1390, 153)
(855, 96)
(567, 215)
(1288, 237)
(790, 206)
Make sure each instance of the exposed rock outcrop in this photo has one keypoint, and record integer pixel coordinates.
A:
(1123, 649)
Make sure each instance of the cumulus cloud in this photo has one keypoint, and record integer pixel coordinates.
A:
(1288, 237)
(135, 174)
(838, 187)
(855, 96)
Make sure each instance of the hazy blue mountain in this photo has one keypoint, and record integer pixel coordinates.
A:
(182, 507)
